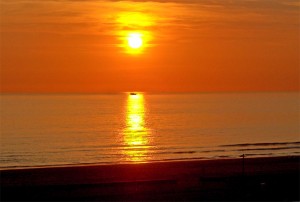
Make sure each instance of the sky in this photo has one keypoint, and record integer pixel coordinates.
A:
(81, 46)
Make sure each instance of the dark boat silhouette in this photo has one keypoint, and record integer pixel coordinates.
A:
(133, 93)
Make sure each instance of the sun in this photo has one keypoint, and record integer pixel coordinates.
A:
(135, 33)
(135, 40)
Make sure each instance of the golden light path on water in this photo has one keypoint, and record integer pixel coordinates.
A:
(136, 134)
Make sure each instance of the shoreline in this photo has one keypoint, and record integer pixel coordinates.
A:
(139, 162)
(217, 179)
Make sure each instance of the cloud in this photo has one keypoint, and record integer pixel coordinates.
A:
(250, 4)
(236, 5)
(189, 17)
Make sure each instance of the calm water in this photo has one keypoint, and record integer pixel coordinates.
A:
(40, 130)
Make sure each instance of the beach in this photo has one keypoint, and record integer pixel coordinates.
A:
(270, 178)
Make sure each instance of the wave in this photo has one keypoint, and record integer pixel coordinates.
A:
(114, 154)
(272, 148)
(261, 144)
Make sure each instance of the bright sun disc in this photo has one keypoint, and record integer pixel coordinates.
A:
(135, 40)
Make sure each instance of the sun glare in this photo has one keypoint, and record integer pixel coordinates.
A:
(134, 40)
(135, 31)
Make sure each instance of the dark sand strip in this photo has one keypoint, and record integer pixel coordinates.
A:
(275, 178)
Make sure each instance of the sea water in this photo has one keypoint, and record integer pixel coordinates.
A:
(64, 129)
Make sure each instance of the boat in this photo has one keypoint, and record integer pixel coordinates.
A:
(133, 93)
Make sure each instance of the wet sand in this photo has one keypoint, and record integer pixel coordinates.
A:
(273, 178)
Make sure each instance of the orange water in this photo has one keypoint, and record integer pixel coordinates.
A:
(38, 130)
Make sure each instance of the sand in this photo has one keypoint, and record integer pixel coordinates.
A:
(273, 178)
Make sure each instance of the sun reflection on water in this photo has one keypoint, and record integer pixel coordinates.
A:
(136, 133)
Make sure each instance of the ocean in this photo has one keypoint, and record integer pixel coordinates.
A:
(78, 129)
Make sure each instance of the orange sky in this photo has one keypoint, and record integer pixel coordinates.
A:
(188, 45)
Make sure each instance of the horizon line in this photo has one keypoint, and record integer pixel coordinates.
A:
(147, 92)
